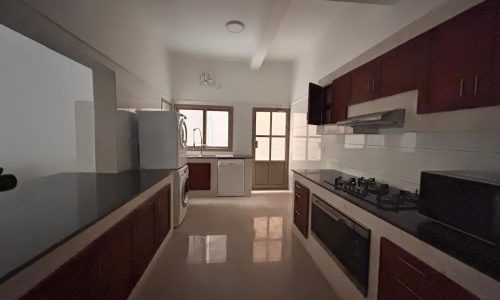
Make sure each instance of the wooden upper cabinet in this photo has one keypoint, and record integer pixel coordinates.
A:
(364, 82)
(462, 61)
(315, 107)
(341, 95)
(406, 67)
(327, 105)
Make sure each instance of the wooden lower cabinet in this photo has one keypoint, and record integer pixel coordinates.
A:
(403, 276)
(199, 176)
(110, 267)
(301, 208)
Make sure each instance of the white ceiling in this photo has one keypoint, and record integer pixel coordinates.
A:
(275, 29)
(197, 27)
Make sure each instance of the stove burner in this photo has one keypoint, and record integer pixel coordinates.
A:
(379, 194)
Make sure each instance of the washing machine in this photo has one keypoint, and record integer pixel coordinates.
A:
(181, 199)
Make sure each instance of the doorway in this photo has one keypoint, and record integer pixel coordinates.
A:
(271, 130)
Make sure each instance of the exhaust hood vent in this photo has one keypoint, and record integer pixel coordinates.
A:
(371, 123)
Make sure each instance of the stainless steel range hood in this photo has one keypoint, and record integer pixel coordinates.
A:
(371, 123)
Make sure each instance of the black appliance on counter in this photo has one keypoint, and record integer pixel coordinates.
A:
(468, 201)
(379, 194)
(7, 181)
(347, 241)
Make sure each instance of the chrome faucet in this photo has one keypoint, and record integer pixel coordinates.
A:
(201, 140)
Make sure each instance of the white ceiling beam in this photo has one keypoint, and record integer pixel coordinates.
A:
(274, 19)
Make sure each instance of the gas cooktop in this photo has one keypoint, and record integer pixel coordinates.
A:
(379, 194)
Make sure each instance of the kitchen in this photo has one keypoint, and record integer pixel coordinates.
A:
(365, 124)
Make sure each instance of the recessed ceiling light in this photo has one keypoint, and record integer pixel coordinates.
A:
(235, 26)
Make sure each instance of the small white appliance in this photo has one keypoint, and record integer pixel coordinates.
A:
(231, 177)
(162, 139)
(181, 189)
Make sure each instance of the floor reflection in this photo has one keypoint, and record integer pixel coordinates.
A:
(267, 245)
(207, 249)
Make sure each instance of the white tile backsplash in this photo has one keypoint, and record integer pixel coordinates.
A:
(397, 157)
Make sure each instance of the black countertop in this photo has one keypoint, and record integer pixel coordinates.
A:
(41, 214)
(481, 255)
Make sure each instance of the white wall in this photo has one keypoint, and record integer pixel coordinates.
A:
(46, 110)
(118, 29)
(465, 139)
(237, 86)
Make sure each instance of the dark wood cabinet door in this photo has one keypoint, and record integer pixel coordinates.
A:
(301, 208)
(163, 214)
(453, 49)
(144, 237)
(327, 105)
(341, 95)
(403, 276)
(485, 18)
(115, 261)
(406, 67)
(76, 279)
(315, 107)
(364, 83)
(199, 176)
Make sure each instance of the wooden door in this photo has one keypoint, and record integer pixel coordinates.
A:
(341, 95)
(406, 67)
(199, 176)
(271, 142)
(485, 18)
(315, 104)
(364, 83)
(115, 261)
(163, 214)
(144, 237)
(451, 63)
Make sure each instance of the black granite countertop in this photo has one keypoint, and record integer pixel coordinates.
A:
(41, 214)
(481, 255)
(221, 156)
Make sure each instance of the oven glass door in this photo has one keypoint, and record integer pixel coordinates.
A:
(346, 241)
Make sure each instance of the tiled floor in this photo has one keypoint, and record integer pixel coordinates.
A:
(236, 248)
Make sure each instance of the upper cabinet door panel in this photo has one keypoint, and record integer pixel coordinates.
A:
(406, 67)
(341, 94)
(452, 65)
(485, 18)
(315, 107)
(363, 83)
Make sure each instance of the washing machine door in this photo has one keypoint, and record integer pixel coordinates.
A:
(182, 133)
(184, 192)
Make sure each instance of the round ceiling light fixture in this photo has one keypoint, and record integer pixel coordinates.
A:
(235, 26)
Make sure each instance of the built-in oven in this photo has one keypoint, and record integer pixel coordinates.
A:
(347, 241)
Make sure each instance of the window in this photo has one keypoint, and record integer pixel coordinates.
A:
(215, 124)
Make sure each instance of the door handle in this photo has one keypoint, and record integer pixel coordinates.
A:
(476, 79)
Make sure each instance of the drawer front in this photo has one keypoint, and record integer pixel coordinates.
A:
(301, 208)
(401, 273)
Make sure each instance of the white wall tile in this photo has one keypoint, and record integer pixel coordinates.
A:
(480, 161)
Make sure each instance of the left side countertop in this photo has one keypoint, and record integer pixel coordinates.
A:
(41, 214)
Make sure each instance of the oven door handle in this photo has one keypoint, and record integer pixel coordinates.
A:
(328, 210)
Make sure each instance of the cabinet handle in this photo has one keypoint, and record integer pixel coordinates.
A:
(297, 213)
(369, 86)
(298, 196)
(461, 87)
(408, 289)
(373, 85)
(476, 79)
(412, 267)
(298, 186)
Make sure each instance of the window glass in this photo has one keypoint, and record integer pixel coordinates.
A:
(278, 148)
(279, 123)
(217, 128)
(194, 120)
(262, 149)
(263, 123)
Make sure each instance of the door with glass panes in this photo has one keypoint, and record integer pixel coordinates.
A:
(271, 139)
